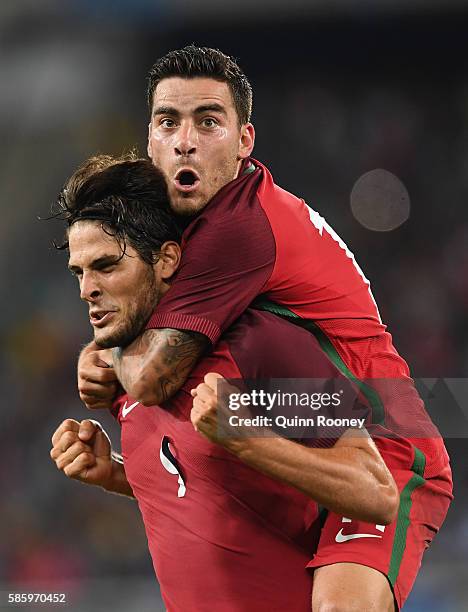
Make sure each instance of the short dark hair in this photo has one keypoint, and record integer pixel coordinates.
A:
(191, 62)
(128, 196)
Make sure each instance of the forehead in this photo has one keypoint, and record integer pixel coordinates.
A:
(87, 241)
(187, 94)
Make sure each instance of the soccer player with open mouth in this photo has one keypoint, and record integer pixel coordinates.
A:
(246, 237)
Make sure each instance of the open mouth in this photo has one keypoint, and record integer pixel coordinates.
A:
(98, 318)
(186, 180)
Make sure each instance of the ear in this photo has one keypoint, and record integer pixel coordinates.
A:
(169, 260)
(149, 148)
(247, 140)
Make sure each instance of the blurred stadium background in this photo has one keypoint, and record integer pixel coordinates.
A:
(340, 88)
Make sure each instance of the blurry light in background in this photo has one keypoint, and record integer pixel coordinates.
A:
(380, 201)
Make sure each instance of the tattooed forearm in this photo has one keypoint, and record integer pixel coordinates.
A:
(129, 361)
(157, 363)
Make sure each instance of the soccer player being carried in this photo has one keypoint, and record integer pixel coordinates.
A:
(246, 237)
(232, 522)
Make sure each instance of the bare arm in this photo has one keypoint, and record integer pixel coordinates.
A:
(157, 363)
(350, 478)
(83, 451)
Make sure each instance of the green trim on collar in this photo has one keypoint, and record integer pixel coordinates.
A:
(250, 168)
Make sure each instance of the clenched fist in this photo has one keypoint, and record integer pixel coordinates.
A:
(97, 382)
(219, 416)
(83, 451)
(211, 413)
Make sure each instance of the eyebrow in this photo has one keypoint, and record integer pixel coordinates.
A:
(212, 108)
(99, 263)
(204, 108)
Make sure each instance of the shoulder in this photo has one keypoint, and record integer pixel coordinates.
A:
(265, 345)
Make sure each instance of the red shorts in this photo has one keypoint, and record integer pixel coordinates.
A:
(396, 550)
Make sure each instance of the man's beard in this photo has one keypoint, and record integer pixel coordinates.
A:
(186, 209)
(127, 333)
(137, 319)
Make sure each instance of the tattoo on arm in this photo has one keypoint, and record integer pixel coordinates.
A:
(161, 359)
(180, 353)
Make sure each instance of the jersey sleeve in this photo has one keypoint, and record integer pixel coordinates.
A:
(116, 406)
(226, 261)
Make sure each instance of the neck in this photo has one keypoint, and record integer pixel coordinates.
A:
(238, 169)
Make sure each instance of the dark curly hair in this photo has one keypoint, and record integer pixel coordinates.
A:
(193, 61)
(128, 196)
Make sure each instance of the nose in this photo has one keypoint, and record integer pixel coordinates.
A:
(89, 289)
(186, 143)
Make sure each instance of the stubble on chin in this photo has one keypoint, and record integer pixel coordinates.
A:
(106, 342)
(188, 207)
(120, 336)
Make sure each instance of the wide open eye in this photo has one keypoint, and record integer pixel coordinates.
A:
(209, 122)
(166, 123)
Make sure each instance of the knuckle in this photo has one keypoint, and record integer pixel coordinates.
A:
(69, 471)
(195, 416)
(60, 462)
(68, 438)
(84, 458)
(83, 371)
(212, 404)
(86, 357)
(68, 423)
(78, 447)
(83, 390)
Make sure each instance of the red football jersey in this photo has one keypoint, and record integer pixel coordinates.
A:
(223, 536)
(255, 238)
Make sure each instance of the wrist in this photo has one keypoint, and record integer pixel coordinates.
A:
(254, 450)
(116, 467)
(237, 446)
